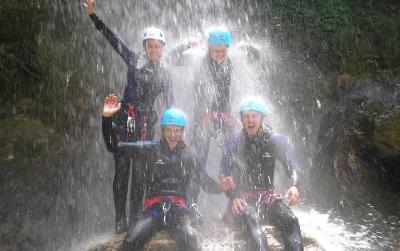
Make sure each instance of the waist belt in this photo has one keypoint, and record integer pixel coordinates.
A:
(177, 200)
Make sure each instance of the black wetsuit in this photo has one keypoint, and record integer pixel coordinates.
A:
(251, 163)
(173, 179)
(144, 85)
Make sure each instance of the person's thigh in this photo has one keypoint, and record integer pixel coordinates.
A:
(185, 235)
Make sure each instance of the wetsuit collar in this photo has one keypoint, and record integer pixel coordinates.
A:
(152, 65)
(177, 149)
(216, 63)
(258, 134)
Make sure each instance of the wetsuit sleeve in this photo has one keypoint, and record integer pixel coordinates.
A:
(127, 55)
(285, 156)
(175, 55)
(109, 138)
(226, 167)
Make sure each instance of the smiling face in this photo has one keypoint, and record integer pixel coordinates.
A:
(173, 134)
(153, 49)
(251, 121)
(219, 52)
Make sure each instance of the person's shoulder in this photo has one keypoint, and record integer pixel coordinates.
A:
(278, 138)
(233, 140)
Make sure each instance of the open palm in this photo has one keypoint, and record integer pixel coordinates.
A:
(111, 105)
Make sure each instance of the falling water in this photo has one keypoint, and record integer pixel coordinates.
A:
(83, 211)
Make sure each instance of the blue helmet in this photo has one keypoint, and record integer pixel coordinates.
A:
(173, 117)
(219, 36)
(253, 104)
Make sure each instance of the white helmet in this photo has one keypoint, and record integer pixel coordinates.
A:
(154, 33)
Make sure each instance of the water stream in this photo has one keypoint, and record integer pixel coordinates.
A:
(90, 187)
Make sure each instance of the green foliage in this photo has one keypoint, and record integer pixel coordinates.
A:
(359, 36)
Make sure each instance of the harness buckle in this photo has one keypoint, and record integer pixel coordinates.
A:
(166, 206)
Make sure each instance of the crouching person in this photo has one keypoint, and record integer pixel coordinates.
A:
(247, 175)
(173, 178)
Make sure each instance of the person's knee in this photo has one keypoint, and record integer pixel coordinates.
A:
(186, 237)
(135, 237)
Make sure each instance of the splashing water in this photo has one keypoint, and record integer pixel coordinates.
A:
(181, 20)
(335, 232)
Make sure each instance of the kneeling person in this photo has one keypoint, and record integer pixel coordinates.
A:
(172, 182)
(247, 175)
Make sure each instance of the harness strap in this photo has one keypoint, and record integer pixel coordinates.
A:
(248, 194)
(177, 200)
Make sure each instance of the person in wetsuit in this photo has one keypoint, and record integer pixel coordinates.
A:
(136, 120)
(174, 175)
(247, 176)
(212, 110)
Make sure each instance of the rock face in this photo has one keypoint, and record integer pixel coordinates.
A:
(359, 140)
(214, 236)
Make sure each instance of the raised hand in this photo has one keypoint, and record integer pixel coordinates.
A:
(192, 43)
(244, 46)
(89, 6)
(111, 105)
(293, 195)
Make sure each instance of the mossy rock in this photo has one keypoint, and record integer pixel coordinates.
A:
(387, 137)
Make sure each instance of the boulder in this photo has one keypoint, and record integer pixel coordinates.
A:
(359, 141)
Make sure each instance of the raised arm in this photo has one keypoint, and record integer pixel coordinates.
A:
(127, 55)
(252, 52)
(175, 56)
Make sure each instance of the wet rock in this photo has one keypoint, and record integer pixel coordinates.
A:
(344, 81)
(359, 141)
(387, 136)
(214, 236)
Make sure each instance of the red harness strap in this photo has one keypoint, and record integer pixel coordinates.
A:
(249, 194)
(131, 111)
(149, 202)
